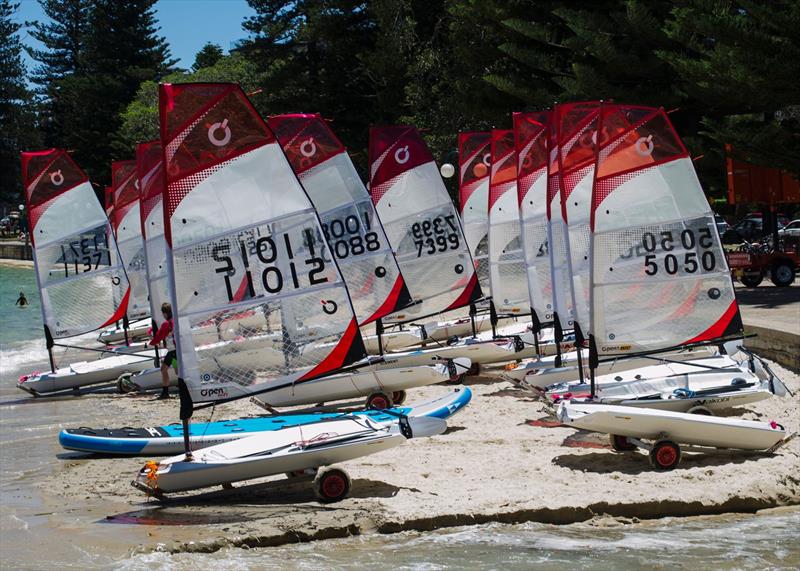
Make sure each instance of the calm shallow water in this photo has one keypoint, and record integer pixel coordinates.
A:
(38, 531)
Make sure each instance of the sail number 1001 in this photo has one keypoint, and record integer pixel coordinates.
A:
(689, 261)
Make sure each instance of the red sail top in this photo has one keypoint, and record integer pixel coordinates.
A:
(474, 162)
(504, 164)
(149, 160)
(577, 130)
(530, 133)
(125, 188)
(306, 139)
(393, 151)
(47, 175)
(216, 107)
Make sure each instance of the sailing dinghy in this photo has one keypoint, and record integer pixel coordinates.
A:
(81, 279)
(226, 260)
(659, 278)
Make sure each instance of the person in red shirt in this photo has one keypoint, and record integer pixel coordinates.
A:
(164, 334)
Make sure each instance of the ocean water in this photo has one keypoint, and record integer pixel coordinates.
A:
(38, 531)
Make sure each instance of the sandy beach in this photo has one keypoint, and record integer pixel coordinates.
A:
(501, 460)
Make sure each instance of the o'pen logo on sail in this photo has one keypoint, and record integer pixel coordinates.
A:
(212, 134)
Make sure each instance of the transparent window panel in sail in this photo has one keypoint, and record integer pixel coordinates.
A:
(266, 290)
(659, 285)
(537, 261)
(362, 253)
(79, 275)
(132, 253)
(561, 275)
(432, 255)
(508, 272)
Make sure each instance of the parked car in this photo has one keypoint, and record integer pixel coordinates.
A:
(791, 229)
(722, 225)
(748, 230)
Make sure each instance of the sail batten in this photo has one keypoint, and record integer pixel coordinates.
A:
(258, 303)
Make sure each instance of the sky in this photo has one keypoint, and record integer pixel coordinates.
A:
(186, 24)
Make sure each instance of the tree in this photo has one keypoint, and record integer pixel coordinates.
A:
(122, 48)
(207, 56)
(63, 39)
(16, 114)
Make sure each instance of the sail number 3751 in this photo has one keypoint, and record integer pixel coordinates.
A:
(686, 256)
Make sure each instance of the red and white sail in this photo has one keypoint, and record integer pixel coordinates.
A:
(150, 171)
(351, 227)
(244, 252)
(127, 227)
(421, 223)
(77, 263)
(577, 132)
(557, 237)
(659, 274)
(530, 132)
(508, 274)
(474, 164)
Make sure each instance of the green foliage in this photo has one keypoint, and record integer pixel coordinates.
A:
(208, 55)
(17, 116)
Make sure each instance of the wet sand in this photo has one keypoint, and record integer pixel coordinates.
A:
(501, 460)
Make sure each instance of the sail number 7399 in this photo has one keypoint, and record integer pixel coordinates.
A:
(436, 234)
(682, 248)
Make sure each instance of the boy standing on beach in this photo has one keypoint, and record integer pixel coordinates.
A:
(164, 334)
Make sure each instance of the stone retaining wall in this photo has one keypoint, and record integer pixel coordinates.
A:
(16, 251)
(780, 346)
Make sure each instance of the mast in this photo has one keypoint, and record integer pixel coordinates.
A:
(76, 258)
(242, 244)
(657, 258)
(421, 223)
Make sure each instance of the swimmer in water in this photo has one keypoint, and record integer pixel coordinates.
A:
(22, 301)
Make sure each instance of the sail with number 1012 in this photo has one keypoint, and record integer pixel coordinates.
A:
(264, 260)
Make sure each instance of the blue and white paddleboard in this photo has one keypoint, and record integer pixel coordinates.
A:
(163, 440)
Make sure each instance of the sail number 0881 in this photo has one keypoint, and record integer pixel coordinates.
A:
(688, 241)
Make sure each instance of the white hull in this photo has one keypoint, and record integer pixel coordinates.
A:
(288, 450)
(678, 427)
(87, 373)
(136, 330)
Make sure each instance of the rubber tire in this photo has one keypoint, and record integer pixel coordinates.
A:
(473, 371)
(782, 274)
(621, 443)
(124, 384)
(398, 397)
(701, 410)
(751, 280)
(665, 455)
(379, 401)
(332, 485)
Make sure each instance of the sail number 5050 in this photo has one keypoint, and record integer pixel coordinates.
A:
(688, 261)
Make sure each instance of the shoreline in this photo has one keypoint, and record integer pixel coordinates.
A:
(16, 263)
(500, 461)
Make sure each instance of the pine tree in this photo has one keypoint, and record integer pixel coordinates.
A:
(63, 39)
(17, 116)
(208, 55)
(122, 48)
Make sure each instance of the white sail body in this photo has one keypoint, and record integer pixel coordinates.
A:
(258, 266)
(659, 274)
(351, 227)
(131, 250)
(475, 162)
(507, 271)
(423, 227)
(531, 133)
(75, 254)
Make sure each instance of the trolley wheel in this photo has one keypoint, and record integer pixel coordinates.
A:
(399, 397)
(700, 410)
(125, 383)
(332, 485)
(621, 443)
(665, 455)
(379, 401)
(473, 371)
